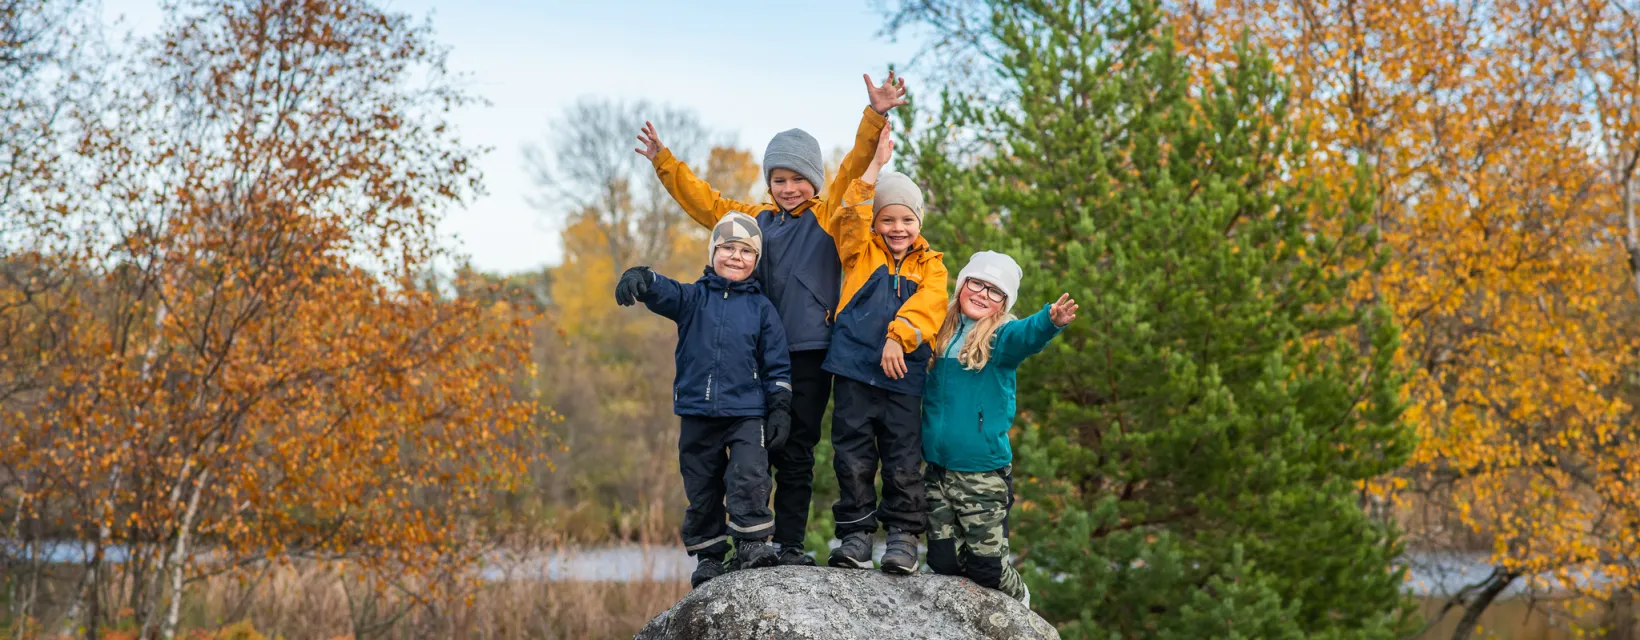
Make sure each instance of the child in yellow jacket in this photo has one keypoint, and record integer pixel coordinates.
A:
(799, 272)
(894, 300)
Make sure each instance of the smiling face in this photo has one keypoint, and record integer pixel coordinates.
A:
(789, 189)
(898, 227)
(734, 261)
(979, 299)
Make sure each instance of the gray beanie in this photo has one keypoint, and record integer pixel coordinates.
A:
(896, 188)
(798, 151)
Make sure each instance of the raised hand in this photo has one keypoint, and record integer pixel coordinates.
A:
(885, 145)
(651, 140)
(1063, 311)
(891, 94)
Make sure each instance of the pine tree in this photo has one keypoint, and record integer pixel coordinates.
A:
(1201, 434)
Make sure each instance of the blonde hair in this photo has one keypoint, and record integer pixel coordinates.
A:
(976, 348)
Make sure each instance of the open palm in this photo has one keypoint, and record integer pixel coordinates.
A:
(891, 94)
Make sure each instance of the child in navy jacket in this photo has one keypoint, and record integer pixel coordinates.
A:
(733, 369)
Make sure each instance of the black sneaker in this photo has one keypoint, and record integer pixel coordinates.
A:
(750, 554)
(794, 557)
(901, 555)
(705, 569)
(853, 553)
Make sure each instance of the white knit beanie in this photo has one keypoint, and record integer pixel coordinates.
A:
(997, 269)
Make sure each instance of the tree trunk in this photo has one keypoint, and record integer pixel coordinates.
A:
(156, 573)
(179, 564)
(1473, 609)
(1620, 621)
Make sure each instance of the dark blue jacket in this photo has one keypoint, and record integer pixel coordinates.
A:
(731, 348)
(802, 274)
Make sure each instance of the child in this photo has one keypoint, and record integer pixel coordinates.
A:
(799, 272)
(893, 299)
(966, 416)
(732, 369)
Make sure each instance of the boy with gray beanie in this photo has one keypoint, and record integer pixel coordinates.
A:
(799, 272)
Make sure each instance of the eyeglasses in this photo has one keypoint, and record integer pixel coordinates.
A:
(730, 250)
(978, 286)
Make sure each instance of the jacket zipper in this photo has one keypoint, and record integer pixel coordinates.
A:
(981, 422)
(899, 267)
(717, 353)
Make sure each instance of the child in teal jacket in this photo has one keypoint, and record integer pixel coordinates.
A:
(968, 407)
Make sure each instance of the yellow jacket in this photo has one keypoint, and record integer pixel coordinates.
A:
(882, 298)
(799, 268)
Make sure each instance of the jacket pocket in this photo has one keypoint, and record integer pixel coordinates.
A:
(816, 302)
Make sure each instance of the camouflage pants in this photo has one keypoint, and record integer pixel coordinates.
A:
(968, 526)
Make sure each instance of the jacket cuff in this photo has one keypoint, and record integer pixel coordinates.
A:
(860, 193)
(872, 123)
(1047, 320)
(905, 333)
(665, 158)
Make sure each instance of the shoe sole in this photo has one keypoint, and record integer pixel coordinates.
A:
(845, 562)
(899, 570)
(761, 563)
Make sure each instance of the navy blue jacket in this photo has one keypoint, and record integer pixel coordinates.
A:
(731, 348)
(802, 274)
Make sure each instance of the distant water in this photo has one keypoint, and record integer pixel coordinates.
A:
(1430, 574)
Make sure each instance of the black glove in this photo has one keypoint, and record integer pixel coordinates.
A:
(780, 420)
(633, 285)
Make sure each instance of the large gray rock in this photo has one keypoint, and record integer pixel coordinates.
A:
(814, 603)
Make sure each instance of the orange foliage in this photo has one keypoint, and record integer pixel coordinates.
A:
(1491, 160)
(232, 355)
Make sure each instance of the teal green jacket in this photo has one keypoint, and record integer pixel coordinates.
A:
(966, 414)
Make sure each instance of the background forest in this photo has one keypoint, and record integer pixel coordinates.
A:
(1361, 358)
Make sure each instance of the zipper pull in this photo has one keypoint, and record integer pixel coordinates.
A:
(725, 294)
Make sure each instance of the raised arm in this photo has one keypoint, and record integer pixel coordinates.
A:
(866, 140)
(667, 297)
(697, 197)
(850, 225)
(1021, 339)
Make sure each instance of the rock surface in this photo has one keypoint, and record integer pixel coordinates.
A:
(816, 603)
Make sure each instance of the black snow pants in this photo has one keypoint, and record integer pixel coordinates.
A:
(725, 469)
(871, 425)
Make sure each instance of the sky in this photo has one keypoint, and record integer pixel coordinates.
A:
(749, 69)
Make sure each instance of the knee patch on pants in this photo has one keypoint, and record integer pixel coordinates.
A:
(942, 557)
(986, 572)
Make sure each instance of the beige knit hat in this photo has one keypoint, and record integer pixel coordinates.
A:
(735, 227)
(896, 188)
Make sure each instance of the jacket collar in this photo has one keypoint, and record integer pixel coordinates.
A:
(919, 247)
(799, 211)
(716, 282)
